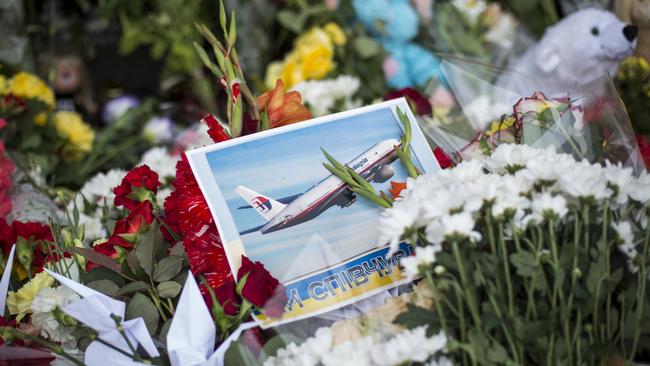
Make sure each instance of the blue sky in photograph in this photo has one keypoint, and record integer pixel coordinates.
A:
(290, 163)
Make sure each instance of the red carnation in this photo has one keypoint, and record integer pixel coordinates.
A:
(134, 187)
(137, 222)
(262, 289)
(418, 103)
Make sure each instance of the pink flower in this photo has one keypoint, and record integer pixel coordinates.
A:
(390, 67)
(441, 98)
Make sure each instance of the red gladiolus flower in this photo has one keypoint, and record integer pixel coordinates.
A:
(262, 289)
(215, 130)
(419, 103)
(129, 193)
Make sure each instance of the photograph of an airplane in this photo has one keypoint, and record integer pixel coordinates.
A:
(373, 165)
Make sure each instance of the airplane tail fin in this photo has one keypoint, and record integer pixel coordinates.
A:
(265, 206)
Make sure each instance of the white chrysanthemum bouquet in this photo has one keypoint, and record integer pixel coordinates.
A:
(533, 258)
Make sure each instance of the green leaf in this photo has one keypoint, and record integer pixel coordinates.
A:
(164, 330)
(133, 287)
(167, 268)
(239, 354)
(98, 258)
(106, 287)
(497, 353)
(141, 306)
(525, 263)
(148, 248)
(169, 289)
(415, 316)
(366, 47)
(290, 20)
(102, 273)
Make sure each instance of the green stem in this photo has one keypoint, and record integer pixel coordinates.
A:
(506, 270)
(49, 345)
(467, 287)
(642, 283)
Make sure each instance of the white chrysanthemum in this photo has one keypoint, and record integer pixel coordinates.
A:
(394, 222)
(409, 346)
(161, 162)
(509, 158)
(424, 256)
(640, 190)
(162, 195)
(584, 180)
(100, 187)
(545, 204)
(159, 130)
(451, 227)
(471, 8)
(621, 179)
(627, 247)
(322, 96)
(503, 32)
(374, 350)
(93, 228)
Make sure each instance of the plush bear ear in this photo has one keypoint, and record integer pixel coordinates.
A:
(547, 59)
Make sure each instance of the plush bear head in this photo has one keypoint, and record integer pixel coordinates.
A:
(578, 49)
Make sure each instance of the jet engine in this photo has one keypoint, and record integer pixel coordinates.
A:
(383, 173)
(346, 199)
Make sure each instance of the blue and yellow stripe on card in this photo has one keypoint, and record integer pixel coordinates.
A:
(340, 285)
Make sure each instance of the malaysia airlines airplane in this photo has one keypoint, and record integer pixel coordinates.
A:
(373, 164)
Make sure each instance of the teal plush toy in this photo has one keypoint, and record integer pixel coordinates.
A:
(395, 24)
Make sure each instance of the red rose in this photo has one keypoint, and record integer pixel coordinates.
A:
(262, 289)
(171, 216)
(644, 149)
(227, 297)
(443, 159)
(418, 103)
(130, 192)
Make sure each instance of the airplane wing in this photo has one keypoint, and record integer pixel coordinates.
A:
(252, 230)
(283, 200)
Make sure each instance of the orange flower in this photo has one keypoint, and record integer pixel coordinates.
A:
(396, 188)
(282, 108)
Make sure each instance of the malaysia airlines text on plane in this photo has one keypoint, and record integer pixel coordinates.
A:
(373, 164)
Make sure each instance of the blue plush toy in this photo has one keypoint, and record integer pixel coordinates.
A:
(395, 23)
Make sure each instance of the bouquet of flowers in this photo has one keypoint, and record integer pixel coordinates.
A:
(532, 257)
(592, 125)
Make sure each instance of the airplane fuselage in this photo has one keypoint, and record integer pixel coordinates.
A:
(326, 193)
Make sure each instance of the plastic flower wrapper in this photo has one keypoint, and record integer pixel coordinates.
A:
(591, 124)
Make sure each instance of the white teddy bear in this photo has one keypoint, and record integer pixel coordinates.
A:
(580, 48)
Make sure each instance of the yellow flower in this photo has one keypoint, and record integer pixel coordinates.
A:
(497, 126)
(26, 85)
(80, 136)
(311, 59)
(336, 33)
(3, 85)
(20, 302)
(40, 119)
